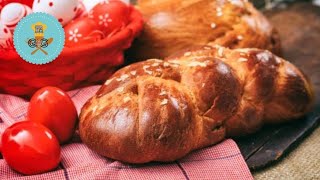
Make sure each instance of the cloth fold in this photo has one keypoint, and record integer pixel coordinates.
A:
(221, 161)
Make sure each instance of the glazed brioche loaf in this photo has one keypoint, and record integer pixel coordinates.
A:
(175, 25)
(160, 110)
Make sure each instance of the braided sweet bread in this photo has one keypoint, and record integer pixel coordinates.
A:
(160, 110)
(173, 25)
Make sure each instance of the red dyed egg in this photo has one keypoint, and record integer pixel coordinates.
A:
(110, 16)
(30, 148)
(82, 31)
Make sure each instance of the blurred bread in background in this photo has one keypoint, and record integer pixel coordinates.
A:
(171, 26)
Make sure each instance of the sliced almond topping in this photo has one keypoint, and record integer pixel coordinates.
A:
(155, 64)
(220, 51)
(242, 54)
(219, 11)
(263, 56)
(145, 66)
(165, 64)
(239, 37)
(213, 25)
(133, 73)
(120, 89)
(148, 72)
(156, 60)
(164, 102)
(238, 3)
(187, 54)
(162, 93)
(126, 99)
(175, 61)
(94, 109)
(108, 81)
(196, 63)
(123, 77)
(242, 59)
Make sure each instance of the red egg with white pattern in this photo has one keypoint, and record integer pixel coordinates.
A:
(5, 37)
(82, 31)
(12, 13)
(63, 10)
(110, 16)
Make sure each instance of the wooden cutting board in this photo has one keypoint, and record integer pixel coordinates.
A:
(299, 29)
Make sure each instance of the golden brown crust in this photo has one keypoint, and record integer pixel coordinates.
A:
(161, 110)
(172, 26)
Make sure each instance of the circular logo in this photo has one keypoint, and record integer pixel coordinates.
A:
(39, 38)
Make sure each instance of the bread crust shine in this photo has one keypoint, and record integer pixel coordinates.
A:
(160, 110)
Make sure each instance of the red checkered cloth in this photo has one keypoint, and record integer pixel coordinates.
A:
(222, 161)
